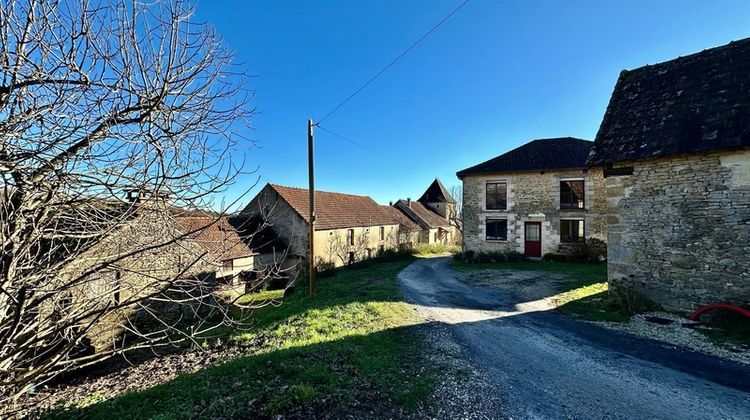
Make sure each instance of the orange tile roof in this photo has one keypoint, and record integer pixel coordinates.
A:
(217, 237)
(336, 210)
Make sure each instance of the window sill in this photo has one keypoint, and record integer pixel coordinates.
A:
(571, 209)
(496, 240)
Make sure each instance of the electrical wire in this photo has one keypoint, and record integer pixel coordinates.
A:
(384, 69)
(345, 139)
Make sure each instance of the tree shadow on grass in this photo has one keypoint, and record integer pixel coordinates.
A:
(379, 374)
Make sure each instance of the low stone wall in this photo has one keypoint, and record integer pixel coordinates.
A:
(679, 230)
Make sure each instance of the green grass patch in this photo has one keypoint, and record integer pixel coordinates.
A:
(353, 342)
(426, 250)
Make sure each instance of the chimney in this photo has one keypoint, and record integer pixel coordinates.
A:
(390, 203)
(408, 202)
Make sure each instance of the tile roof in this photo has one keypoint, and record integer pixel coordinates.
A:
(406, 223)
(696, 103)
(537, 155)
(218, 237)
(436, 193)
(420, 214)
(335, 210)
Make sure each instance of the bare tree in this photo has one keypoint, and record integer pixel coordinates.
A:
(457, 192)
(99, 97)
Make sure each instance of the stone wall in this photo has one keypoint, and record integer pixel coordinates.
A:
(283, 219)
(532, 197)
(331, 245)
(679, 230)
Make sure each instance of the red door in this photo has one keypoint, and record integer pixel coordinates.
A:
(533, 239)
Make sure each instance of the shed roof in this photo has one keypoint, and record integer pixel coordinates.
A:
(696, 103)
(537, 155)
(335, 210)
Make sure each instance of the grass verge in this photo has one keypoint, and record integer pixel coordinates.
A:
(352, 347)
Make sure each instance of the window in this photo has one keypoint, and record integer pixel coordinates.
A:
(381, 250)
(496, 196)
(571, 194)
(228, 265)
(382, 233)
(350, 258)
(350, 237)
(497, 229)
(571, 231)
(434, 237)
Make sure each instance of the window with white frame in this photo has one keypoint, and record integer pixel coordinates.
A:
(572, 230)
(496, 229)
(496, 195)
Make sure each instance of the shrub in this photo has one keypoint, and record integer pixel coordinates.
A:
(515, 256)
(590, 251)
(631, 301)
(469, 257)
(324, 268)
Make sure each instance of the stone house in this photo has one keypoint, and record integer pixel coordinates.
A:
(128, 278)
(535, 199)
(434, 212)
(675, 148)
(229, 256)
(348, 228)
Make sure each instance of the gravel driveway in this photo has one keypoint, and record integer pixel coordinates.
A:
(540, 364)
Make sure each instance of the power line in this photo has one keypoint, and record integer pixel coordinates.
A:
(345, 139)
(384, 69)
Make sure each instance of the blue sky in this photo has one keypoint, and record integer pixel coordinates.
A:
(496, 75)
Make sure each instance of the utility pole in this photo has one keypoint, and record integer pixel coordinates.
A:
(311, 168)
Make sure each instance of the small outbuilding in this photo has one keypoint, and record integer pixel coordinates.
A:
(674, 146)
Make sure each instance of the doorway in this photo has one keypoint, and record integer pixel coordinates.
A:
(533, 239)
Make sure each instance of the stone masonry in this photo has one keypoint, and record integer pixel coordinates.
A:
(532, 196)
(679, 229)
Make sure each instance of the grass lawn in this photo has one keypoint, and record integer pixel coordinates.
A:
(351, 347)
(584, 294)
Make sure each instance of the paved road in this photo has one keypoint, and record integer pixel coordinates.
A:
(543, 364)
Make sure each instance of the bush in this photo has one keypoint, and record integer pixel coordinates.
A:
(590, 251)
(630, 301)
(471, 257)
(515, 256)
(324, 268)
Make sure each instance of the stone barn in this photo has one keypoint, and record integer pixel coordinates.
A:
(675, 148)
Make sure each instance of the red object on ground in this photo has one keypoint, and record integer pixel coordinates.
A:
(696, 315)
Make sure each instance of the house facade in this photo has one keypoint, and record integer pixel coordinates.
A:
(675, 147)
(536, 199)
(348, 228)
